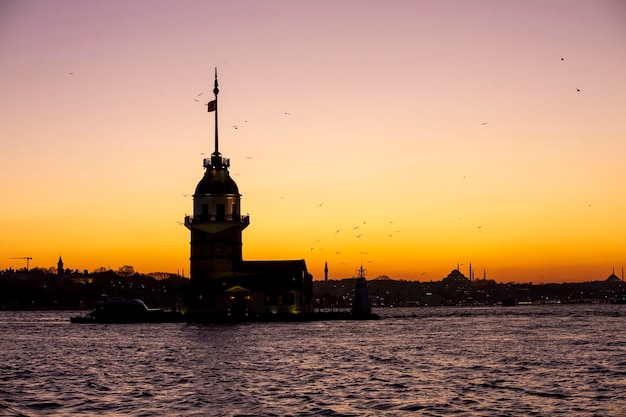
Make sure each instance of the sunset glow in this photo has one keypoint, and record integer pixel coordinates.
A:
(410, 136)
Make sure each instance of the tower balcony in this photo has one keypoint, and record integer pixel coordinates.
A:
(216, 161)
(212, 223)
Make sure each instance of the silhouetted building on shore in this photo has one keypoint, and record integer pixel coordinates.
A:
(223, 285)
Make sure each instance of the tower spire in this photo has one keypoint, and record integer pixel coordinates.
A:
(215, 91)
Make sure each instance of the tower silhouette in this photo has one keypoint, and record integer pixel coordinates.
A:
(223, 285)
(216, 224)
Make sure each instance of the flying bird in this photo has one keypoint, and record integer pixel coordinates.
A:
(578, 89)
(70, 73)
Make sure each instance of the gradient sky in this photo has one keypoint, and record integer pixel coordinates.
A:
(408, 135)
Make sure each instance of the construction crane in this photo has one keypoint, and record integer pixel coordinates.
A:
(28, 258)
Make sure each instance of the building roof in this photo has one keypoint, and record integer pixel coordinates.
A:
(216, 181)
(288, 267)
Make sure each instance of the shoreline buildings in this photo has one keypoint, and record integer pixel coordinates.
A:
(222, 284)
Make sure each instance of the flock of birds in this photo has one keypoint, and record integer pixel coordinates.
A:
(357, 231)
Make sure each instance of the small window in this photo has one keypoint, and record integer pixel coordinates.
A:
(220, 215)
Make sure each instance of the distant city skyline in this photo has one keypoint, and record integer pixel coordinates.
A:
(410, 136)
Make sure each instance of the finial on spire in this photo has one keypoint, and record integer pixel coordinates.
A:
(215, 89)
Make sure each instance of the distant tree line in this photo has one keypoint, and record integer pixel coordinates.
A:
(39, 289)
(47, 289)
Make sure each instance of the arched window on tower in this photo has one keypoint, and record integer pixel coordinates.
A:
(235, 215)
(220, 215)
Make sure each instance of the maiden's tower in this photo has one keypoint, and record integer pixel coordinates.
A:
(223, 286)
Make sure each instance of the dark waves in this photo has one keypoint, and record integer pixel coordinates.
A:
(525, 360)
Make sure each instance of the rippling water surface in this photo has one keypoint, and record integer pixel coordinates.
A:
(485, 361)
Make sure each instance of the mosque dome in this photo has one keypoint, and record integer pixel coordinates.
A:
(217, 181)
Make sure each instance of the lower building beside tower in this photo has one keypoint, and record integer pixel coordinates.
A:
(252, 291)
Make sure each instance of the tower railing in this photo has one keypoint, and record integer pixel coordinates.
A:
(213, 218)
(215, 160)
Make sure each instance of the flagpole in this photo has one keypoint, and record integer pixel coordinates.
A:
(216, 91)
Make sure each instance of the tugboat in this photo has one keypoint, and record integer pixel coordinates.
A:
(127, 311)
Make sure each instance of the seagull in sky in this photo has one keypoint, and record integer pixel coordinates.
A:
(287, 113)
(248, 157)
(578, 89)
(337, 231)
(484, 123)
(70, 73)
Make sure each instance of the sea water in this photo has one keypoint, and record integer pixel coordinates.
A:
(433, 361)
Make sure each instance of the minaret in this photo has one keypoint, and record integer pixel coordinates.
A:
(216, 224)
(60, 266)
(325, 271)
(471, 277)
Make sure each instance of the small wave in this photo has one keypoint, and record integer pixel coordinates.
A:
(44, 405)
(412, 407)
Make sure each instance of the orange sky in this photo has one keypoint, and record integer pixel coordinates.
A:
(419, 135)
